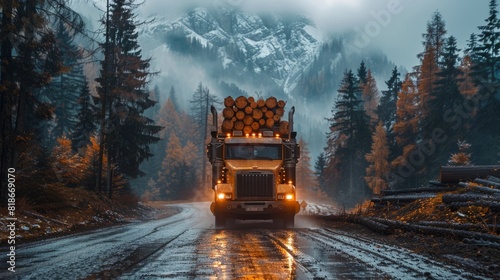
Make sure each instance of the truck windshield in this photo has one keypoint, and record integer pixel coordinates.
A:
(253, 151)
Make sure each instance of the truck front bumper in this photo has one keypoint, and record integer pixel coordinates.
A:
(254, 210)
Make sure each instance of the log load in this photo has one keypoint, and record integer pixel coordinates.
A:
(252, 115)
(456, 174)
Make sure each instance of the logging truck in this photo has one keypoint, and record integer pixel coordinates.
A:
(253, 156)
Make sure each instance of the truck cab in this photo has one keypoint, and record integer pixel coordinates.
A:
(253, 175)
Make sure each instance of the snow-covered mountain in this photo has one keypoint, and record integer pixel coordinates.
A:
(273, 45)
(270, 54)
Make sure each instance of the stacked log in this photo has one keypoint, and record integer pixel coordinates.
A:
(251, 116)
(456, 174)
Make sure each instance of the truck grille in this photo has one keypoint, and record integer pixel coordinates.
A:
(255, 185)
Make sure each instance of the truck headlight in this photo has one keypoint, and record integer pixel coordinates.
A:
(288, 196)
(222, 196)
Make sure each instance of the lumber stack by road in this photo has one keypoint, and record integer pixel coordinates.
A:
(462, 203)
(250, 115)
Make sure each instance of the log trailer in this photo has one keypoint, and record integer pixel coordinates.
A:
(253, 156)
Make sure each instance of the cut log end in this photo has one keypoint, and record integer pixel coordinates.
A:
(229, 101)
(241, 102)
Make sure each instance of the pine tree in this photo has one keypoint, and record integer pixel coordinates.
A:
(85, 127)
(462, 157)
(170, 175)
(371, 97)
(154, 95)
(427, 79)
(434, 38)
(319, 171)
(123, 94)
(434, 41)
(406, 126)
(446, 98)
(173, 95)
(305, 175)
(362, 73)
(386, 110)
(64, 90)
(29, 57)
(378, 159)
(200, 104)
(348, 139)
(169, 119)
(466, 80)
(486, 123)
(189, 177)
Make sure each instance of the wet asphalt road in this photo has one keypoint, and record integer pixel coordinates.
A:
(187, 246)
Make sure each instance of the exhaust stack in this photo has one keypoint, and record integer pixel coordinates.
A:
(290, 122)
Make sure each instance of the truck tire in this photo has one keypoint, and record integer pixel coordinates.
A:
(220, 220)
(289, 221)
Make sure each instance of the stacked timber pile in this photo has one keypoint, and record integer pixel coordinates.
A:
(460, 205)
(250, 115)
(452, 178)
(400, 198)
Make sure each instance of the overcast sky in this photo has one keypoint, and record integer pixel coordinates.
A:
(395, 26)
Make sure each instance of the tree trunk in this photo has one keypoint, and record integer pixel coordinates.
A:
(488, 183)
(455, 174)
(6, 99)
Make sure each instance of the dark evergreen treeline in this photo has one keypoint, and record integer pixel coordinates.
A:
(446, 111)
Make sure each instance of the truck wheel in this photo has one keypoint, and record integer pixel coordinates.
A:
(289, 221)
(220, 220)
(279, 222)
